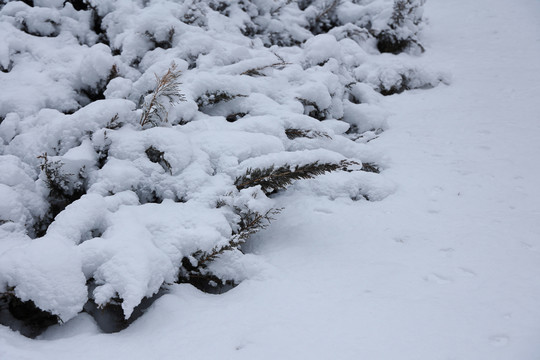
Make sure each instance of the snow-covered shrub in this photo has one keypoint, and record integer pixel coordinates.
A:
(143, 142)
(402, 28)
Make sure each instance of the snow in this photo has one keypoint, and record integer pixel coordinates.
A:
(54, 268)
(443, 264)
(321, 48)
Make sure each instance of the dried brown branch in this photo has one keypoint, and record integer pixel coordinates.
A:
(167, 89)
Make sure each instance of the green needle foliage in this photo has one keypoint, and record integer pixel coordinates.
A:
(310, 134)
(250, 223)
(55, 178)
(272, 179)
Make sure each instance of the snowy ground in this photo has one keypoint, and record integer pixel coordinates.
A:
(445, 268)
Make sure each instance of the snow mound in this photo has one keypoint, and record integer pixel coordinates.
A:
(242, 98)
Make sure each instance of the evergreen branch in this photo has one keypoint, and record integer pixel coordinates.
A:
(250, 223)
(114, 124)
(316, 112)
(327, 10)
(402, 10)
(310, 134)
(8, 292)
(307, 102)
(256, 71)
(158, 157)
(370, 167)
(212, 98)
(272, 179)
(55, 178)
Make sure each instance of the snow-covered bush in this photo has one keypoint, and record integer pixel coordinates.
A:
(402, 28)
(142, 142)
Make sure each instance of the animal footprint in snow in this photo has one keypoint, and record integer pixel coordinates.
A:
(467, 272)
(499, 340)
(438, 279)
(447, 251)
(323, 210)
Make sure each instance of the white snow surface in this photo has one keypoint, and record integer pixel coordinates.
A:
(445, 265)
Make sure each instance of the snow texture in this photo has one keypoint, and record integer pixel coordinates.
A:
(117, 205)
(441, 263)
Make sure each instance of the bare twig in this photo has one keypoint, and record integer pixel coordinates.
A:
(167, 88)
